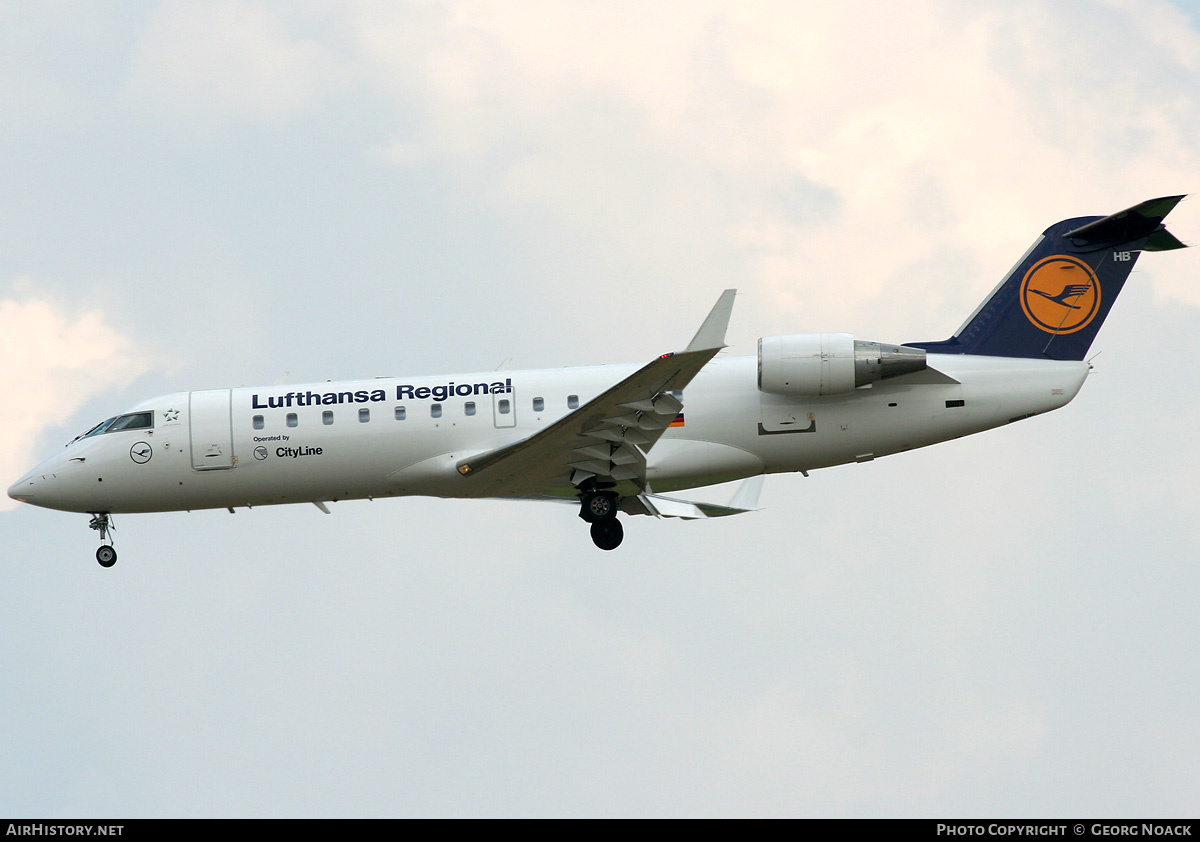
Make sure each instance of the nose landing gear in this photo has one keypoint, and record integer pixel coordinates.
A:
(599, 508)
(102, 523)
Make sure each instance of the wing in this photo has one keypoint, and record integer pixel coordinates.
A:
(606, 439)
(744, 500)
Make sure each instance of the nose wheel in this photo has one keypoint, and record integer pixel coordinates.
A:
(107, 554)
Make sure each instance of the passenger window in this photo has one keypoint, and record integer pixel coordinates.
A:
(469, 407)
(399, 413)
(327, 417)
(572, 401)
(292, 421)
(538, 404)
(436, 410)
(258, 422)
(504, 406)
(364, 415)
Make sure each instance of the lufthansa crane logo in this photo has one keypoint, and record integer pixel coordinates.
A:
(1060, 294)
(141, 452)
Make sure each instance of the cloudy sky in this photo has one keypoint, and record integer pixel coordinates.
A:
(199, 195)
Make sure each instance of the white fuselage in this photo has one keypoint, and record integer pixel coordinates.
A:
(394, 436)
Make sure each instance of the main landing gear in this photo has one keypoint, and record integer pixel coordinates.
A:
(102, 523)
(599, 508)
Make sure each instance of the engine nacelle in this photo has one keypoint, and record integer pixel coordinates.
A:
(815, 364)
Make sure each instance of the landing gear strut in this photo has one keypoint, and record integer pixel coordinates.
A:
(106, 555)
(599, 508)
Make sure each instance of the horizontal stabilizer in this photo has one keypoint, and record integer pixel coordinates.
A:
(1129, 224)
(1163, 240)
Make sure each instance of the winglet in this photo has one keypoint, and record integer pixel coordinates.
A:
(712, 333)
(746, 496)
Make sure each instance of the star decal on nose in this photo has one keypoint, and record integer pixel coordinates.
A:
(171, 415)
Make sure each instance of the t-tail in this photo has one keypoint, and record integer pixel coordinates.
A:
(1052, 303)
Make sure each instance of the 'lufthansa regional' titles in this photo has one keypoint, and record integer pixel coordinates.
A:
(404, 392)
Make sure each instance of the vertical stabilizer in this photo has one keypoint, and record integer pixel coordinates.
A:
(1052, 303)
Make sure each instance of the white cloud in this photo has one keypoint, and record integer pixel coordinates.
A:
(204, 64)
(806, 146)
(820, 146)
(55, 361)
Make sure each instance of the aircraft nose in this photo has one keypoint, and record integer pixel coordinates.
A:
(54, 484)
(40, 487)
(23, 490)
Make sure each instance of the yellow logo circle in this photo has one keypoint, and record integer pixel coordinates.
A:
(1060, 294)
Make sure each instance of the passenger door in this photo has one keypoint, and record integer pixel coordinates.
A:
(210, 419)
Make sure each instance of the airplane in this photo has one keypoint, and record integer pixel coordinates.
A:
(618, 438)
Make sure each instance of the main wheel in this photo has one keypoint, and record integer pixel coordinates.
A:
(607, 534)
(598, 506)
(106, 555)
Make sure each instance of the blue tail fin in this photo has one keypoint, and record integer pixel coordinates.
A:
(1052, 303)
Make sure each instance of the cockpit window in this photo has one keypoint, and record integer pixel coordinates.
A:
(132, 421)
(99, 428)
